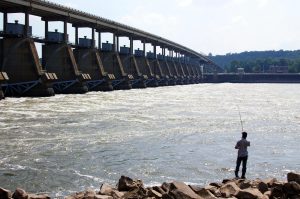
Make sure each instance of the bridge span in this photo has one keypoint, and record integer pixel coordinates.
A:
(88, 64)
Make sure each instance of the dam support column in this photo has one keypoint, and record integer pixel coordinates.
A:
(58, 58)
(145, 69)
(195, 72)
(20, 61)
(184, 66)
(166, 75)
(89, 62)
(173, 71)
(131, 67)
(156, 68)
(180, 70)
(113, 65)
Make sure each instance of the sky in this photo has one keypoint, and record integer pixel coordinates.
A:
(207, 26)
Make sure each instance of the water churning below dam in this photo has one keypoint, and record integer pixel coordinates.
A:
(67, 143)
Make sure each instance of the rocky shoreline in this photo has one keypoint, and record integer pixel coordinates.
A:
(128, 188)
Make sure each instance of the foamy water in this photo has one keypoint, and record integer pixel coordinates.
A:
(68, 143)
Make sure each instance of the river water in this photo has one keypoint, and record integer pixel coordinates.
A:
(68, 143)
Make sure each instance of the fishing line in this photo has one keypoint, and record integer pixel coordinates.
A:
(240, 118)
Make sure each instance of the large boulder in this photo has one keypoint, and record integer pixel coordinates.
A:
(216, 184)
(106, 189)
(117, 194)
(166, 187)
(20, 194)
(229, 189)
(262, 187)
(277, 192)
(214, 190)
(128, 184)
(153, 193)
(202, 192)
(159, 190)
(293, 177)
(103, 197)
(292, 188)
(5, 194)
(180, 190)
(249, 193)
(89, 194)
(244, 184)
(38, 196)
(270, 182)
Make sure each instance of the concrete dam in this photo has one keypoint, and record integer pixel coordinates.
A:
(88, 64)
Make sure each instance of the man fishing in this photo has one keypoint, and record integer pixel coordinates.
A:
(242, 145)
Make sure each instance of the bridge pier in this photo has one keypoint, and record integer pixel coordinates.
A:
(198, 69)
(145, 69)
(197, 77)
(188, 79)
(156, 68)
(113, 65)
(131, 66)
(166, 70)
(59, 58)
(89, 61)
(181, 72)
(21, 63)
(175, 79)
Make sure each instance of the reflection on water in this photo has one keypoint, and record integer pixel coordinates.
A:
(70, 142)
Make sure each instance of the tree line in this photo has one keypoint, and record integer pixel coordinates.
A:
(258, 61)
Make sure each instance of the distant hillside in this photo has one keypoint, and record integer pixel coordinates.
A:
(256, 60)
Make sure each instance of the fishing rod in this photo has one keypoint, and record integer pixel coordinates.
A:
(240, 118)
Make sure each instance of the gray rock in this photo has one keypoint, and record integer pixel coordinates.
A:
(267, 193)
(166, 187)
(35, 196)
(5, 194)
(227, 180)
(270, 182)
(89, 194)
(167, 196)
(244, 184)
(106, 189)
(69, 197)
(229, 189)
(20, 194)
(128, 184)
(262, 187)
(214, 190)
(249, 193)
(293, 177)
(159, 190)
(180, 190)
(292, 188)
(215, 184)
(277, 192)
(204, 193)
(103, 197)
(79, 195)
(153, 193)
(117, 194)
(295, 197)
(196, 188)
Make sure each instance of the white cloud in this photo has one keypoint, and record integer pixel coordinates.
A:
(153, 22)
(239, 20)
(184, 3)
(262, 3)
